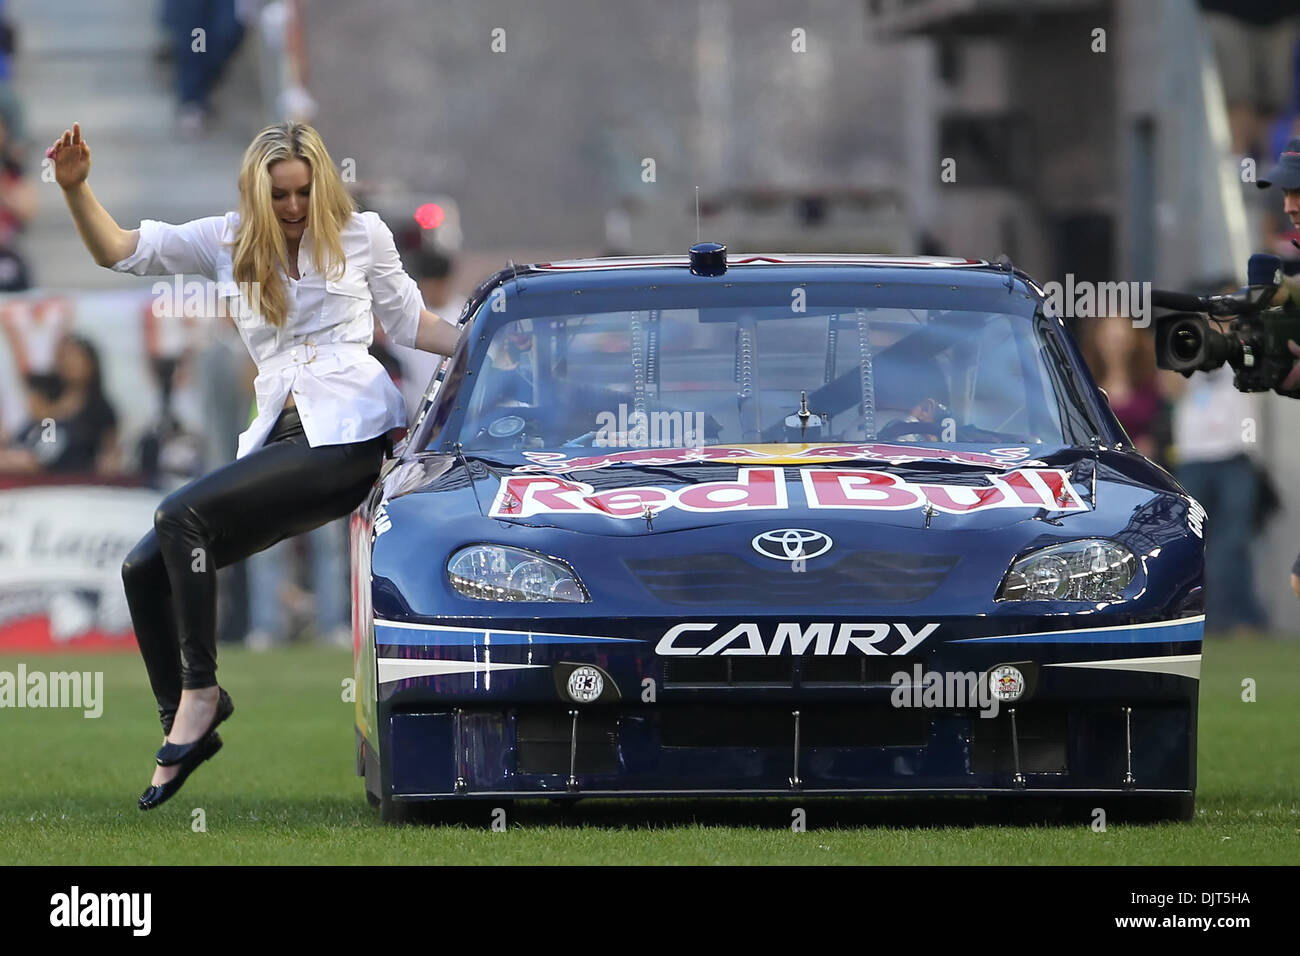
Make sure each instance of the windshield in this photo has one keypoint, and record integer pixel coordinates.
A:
(687, 377)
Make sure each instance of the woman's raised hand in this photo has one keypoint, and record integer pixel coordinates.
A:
(71, 155)
(108, 242)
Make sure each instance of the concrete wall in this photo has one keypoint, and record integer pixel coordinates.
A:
(538, 141)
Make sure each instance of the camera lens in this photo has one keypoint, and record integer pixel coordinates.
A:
(1186, 343)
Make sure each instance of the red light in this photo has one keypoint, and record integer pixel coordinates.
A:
(429, 216)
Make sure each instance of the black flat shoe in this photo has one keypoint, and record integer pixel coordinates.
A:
(162, 792)
(169, 754)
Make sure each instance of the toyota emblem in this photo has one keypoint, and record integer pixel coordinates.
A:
(791, 544)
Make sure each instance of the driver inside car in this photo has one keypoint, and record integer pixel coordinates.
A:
(510, 382)
(507, 384)
(929, 420)
(919, 387)
(511, 406)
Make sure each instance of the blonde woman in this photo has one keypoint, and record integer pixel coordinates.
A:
(311, 270)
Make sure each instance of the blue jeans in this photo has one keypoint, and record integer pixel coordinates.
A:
(197, 73)
(1226, 489)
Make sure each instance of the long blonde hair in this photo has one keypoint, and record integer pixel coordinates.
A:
(259, 241)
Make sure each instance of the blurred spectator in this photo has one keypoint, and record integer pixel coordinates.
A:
(1254, 41)
(205, 35)
(1213, 436)
(32, 330)
(17, 207)
(278, 606)
(13, 398)
(1123, 361)
(11, 107)
(435, 273)
(1213, 432)
(72, 426)
(172, 448)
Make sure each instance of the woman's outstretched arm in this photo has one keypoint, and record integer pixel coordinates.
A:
(436, 334)
(107, 241)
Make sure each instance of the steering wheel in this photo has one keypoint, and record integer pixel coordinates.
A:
(961, 433)
(903, 426)
(502, 431)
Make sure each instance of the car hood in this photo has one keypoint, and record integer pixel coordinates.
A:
(938, 560)
(968, 488)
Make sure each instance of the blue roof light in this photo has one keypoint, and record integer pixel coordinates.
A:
(708, 259)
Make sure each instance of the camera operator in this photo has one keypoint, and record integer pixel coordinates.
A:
(1286, 174)
(1213, 464)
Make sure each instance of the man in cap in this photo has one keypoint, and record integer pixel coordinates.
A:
(1286, 174)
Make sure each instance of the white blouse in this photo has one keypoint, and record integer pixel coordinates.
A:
(321, 353)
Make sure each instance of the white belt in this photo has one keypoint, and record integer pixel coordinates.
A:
(308, 352)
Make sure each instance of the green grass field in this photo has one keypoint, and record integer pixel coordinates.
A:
(283, 790)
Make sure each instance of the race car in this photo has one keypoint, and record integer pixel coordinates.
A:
(728, 525)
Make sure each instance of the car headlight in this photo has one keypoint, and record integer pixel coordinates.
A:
(1092, 569)
(493, 572)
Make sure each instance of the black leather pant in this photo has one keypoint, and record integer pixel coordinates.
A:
(281, 489)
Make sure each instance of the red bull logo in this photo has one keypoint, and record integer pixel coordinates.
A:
(1007, 682)
(753, 489)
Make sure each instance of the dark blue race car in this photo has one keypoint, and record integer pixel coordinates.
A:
(778, 525)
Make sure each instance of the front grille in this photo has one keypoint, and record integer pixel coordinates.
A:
(1042, 733)
(855, 670)
(543, 740)
(729, 671)
(820, 725)
(856, 578)
(740, 671)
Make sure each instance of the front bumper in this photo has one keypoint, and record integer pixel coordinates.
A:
(729, 750)
(1110, 709)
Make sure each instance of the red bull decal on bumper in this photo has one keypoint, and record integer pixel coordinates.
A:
(755, 489)
(778, 454)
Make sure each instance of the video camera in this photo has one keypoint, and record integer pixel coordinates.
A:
(1254, 342)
